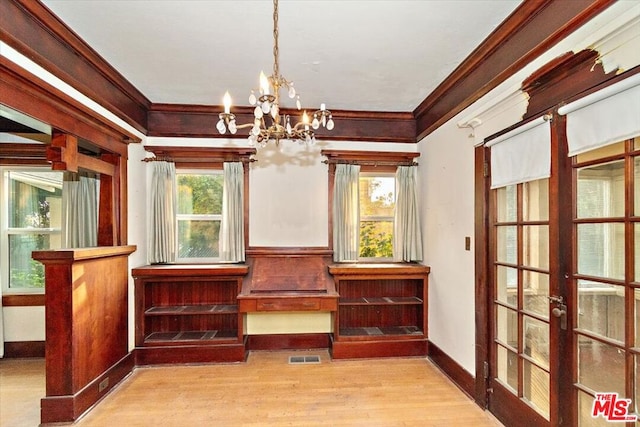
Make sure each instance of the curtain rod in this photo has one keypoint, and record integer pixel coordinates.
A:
(171, 160)
(370, 162)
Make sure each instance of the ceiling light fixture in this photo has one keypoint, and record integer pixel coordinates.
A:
(269, 124)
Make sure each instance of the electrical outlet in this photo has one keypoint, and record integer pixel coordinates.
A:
(103, 384)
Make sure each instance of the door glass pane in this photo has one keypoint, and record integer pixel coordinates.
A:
(506, 204)
(535, 200)
(536, 290)
(585, 406)
(601, 250)
(593, 356)
(507, 285)
(535, 384)
(507, 367)
(507, 326)
(536, 340)
(535, 246)
(601, 190)
(636, 245)
(601, 309)
(507, 250)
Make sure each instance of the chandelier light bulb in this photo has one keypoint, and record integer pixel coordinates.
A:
(226, 100)
(264, 84)
(298, 105)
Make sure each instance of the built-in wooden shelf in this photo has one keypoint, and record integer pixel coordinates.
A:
(382, 310)
(189, 313)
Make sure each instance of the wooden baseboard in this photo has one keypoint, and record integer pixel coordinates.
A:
(382, 348)
(456, 373)
(288, 341)
(21, 349)
(66, 409)
(190, 354)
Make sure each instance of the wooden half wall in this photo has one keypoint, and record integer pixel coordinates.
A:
(86, 352)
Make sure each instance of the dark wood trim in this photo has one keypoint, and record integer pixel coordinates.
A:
(456, 373)
(37, 33)
(225, 353)
(382, 348)
(370, 157)
(482, 318)
(528, 32)
(23, 153)
(22, 349)
(288, 341)
(30, 95)
(24, 300)
(189, 156)
(70, 407)
(196, 121)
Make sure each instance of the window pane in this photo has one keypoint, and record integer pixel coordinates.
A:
(376, 239)
(601, 309)
(536, 290)
(535, 200)
(24, 271)
(601, 153)
(601, 190)
(507, 244)
(636, 244)
(507, 326)
(592, 357)
(536, 340)
(506, 204)
(601, 250)
(507, 367)
(585, 406)
(198, 239)
(35, 199)
(535, 247)
(199, 194)
(377, 205)
(507, 285)
(535, 386)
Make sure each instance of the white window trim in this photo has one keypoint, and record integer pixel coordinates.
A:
(5, 231)
(196, 217)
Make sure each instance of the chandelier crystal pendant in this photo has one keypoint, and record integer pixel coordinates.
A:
(269, 124)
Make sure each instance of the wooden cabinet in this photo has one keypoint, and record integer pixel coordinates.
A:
(188, 313)
(382, 310)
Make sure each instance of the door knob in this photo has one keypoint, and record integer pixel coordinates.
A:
(561, 313)
(557, 312)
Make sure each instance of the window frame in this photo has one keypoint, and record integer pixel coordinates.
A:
(6, 231)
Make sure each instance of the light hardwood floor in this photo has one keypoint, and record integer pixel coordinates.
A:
(264, 391)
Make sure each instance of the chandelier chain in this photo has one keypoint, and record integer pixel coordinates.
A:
(276, 66)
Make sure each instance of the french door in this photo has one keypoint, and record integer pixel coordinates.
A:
(564, 292)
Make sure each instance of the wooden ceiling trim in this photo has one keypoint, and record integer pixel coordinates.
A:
(197, 121)
(527, 33)
(201, 155)
(23, 92)
(33, 30)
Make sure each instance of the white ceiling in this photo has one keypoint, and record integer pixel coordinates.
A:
(350, 54)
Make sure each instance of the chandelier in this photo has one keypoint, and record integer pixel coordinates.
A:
(269, 124)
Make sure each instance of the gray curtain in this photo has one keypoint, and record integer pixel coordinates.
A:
(79, 211)
(232, 227)
(162, 213)
(346, 213)
(407, 237)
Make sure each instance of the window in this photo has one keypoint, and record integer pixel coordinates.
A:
(199, 214)
(377, 205)
(31, 220)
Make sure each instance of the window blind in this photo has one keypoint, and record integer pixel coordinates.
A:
(521, 155)
(604, 117)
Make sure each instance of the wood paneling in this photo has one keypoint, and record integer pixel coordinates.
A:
(288, 341)
(86, 327)
(196, 121)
